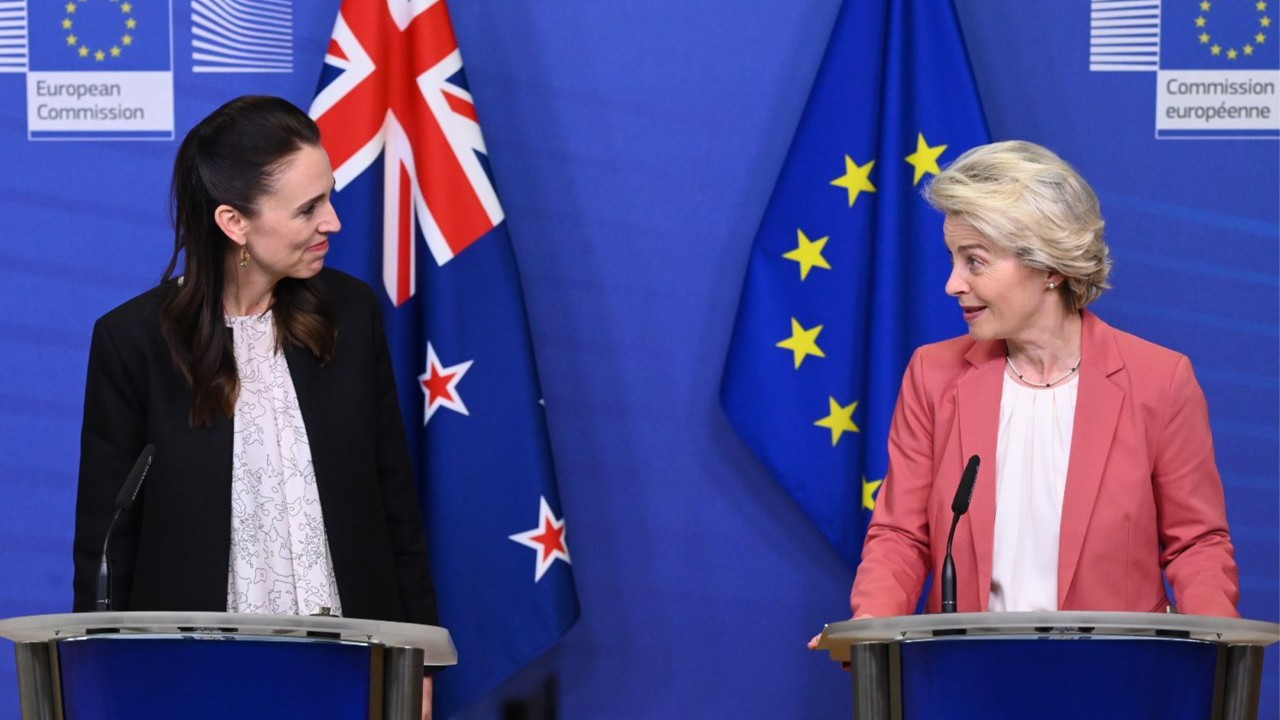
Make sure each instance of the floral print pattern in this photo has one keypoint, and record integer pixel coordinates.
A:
(280, 562)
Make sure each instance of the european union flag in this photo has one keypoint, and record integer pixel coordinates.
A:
(98, 35)
(847, 271)
(1202, 35)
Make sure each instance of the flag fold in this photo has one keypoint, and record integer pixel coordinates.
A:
(847, 270)
(422, 222)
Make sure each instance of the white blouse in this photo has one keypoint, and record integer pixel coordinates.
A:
(280, 561)
(1032, 450)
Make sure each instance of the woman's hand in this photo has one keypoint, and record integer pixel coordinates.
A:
(813, 642)
(426, 697)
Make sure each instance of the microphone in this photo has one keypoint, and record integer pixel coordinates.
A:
(124, 501)
(959, 506)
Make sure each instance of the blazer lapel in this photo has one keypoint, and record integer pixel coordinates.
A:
(304, 370)
(1098, 402)
(978, 407)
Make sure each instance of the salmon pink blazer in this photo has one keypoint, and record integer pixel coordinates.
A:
(1143, 493)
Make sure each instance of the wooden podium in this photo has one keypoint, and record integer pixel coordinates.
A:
(84, 666)
(1047, 665)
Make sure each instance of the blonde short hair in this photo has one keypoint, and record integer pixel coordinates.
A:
(1031, 202)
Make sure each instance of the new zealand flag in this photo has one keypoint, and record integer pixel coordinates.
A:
(410, 163)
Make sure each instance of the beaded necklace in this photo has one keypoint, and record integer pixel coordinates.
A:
(1051, 383)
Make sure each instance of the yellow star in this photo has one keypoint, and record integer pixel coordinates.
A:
(71, 7)
(1260, 38)
(802, 343)
(126, 8)
(839, 420)
(1204, 38)
(127, 39)
(1216, 49)
(925, 158)
(1231, 54)
(855, 179)
(1262, 6)
(99, 56)
(66, 23)
(115, 52)
(1265, 21)
(131, 23)
(1248, 49)
(84, 51)
(869, 488)
(1205, 6)
(808, 253)
(72, 40)
(1200, 22)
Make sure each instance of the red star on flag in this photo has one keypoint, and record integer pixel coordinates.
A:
(440, 385)
(547, 538)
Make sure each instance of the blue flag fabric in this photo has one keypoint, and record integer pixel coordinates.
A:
(846, 275)
(422, 222)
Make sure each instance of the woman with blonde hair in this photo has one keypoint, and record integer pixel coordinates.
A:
(1098, 477)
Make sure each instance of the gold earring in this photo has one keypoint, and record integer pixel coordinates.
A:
(244, 255)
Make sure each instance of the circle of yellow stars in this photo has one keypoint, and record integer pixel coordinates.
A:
(808, 255)
(1202, 24)
(99, 54)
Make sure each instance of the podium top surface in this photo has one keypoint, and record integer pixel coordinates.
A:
(838, 637)
(434, 641)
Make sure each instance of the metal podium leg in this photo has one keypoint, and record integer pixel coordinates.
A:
(871, 682)
(1243, 684)
(402, 686)
(36, 684)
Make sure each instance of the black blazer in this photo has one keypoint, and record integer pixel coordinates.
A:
(171, 551)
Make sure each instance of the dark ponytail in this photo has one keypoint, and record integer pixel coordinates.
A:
(231, 158)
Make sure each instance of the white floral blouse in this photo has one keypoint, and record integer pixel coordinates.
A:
(280, 561)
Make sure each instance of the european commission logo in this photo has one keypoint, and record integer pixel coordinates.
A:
(99, 69)
(1216, 62)
(104, 69)
(242, 36)
(13, 36)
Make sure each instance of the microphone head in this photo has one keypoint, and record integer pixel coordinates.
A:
(129, 492)
(964, 493)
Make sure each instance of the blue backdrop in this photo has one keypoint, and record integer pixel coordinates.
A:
(634, 146)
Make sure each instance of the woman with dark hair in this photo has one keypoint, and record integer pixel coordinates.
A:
(281, 481)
